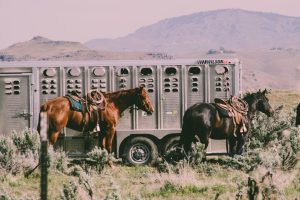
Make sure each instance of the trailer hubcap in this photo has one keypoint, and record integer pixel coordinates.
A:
(139, 153)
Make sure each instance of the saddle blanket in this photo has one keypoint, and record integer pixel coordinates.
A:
(75, 104)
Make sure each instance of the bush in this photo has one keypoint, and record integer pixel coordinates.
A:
(70, 191)
(59, 161)
(27, 141)
(7, 153)
(266, 129)
(98, 158)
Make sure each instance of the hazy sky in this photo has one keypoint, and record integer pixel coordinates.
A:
(82, 20)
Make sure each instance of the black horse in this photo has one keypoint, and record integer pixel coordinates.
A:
(205, 121)
(298, 115)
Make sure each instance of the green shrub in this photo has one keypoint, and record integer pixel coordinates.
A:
(27, 141)
(70, 191)
(7, 153)
(98, 158)
(59, 161)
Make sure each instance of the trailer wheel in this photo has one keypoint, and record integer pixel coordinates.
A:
(171, 149)
(140, 151)
(171, 143)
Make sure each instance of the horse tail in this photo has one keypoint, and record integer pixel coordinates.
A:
(43, 109)
(298, 115)
(185, 137)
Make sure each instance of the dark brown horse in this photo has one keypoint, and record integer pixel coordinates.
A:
(205, 121)
(60, 114)
(298, 115)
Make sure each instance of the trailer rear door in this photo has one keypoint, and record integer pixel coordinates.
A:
(15, 95)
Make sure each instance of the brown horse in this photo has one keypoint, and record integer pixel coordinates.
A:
(206, 121)
(60, 114)
(117, 103)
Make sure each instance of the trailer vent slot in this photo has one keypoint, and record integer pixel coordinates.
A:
(171, 71)
(194, 79)
(49, 72)
(146, 71)
(99, 71)
(74, 72)
(150, 90)
(221, 70)
(194, 70)
(194, 89)
(123, 71)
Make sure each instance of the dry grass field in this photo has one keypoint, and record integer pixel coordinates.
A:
(269, 169)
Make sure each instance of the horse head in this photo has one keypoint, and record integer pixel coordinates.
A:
(143, 100)
(263, 104)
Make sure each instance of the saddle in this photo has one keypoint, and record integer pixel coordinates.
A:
(93, 102)
(234, 108)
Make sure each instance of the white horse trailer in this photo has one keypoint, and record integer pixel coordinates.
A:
(173, 86)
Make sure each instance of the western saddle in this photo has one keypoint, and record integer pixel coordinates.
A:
(93, 102)
(235, 108)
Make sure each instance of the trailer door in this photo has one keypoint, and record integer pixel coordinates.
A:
(15, 102)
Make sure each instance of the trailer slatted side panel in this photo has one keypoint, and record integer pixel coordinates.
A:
(49, 79)
(195, 84)
(123, 79)
(99, 78)
(15, 102)
(171, 96)
(221, 81)
(147, 77)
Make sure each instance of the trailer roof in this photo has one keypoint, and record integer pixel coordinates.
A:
(113, 62)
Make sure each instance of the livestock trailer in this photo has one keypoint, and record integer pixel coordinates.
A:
(173, 86)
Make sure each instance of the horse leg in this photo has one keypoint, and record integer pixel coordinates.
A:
(240, 144)
(232, 145)
(53, 136)
(109, 138)
(187, 133)
(204, 139)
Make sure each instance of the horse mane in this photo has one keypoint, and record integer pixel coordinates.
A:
(251, 94)
(117, 94)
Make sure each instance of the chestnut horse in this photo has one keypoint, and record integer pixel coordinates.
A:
(60, 114)
(205, 121)
(117, 103)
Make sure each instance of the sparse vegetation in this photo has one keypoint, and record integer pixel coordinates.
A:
(268, 169)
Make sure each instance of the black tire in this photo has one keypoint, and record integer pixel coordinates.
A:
(140, 151)
(171, 150)
(170, 144)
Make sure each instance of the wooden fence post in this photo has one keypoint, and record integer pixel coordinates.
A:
(44, 155)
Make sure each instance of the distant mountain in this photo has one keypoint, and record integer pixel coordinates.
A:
(40, 48)
(232, 29)
(267, 44)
